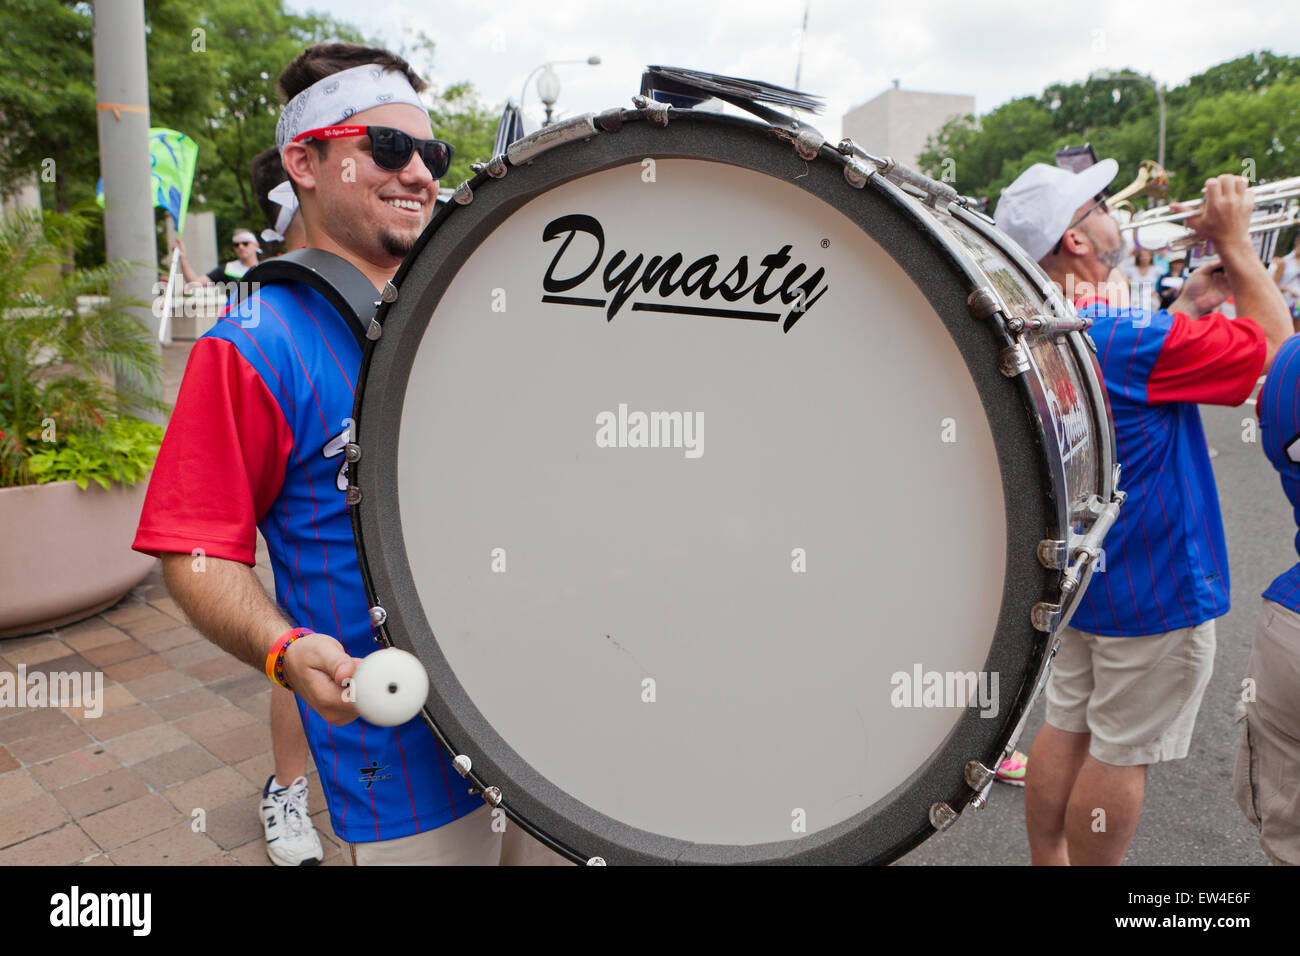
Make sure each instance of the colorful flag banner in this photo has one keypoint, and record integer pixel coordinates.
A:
(172, 157)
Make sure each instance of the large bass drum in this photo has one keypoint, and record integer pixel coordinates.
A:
(729, 484)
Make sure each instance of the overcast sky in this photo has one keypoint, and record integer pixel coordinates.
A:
(994, 49)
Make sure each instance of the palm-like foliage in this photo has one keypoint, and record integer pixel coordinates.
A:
(59, 364)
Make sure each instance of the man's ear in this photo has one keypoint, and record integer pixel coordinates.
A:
(1076, 242)
(300, 163)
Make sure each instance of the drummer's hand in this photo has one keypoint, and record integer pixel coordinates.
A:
(1204, 291)
(316, 665)
(1226, 212)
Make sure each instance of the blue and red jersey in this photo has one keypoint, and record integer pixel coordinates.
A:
(1279, 430)
(256, 442)
(1166, 561)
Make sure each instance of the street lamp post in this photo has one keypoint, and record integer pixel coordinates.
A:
(548, 84)
(1107, 76)
(548, 88)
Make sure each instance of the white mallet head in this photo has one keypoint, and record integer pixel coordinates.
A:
(391, 686)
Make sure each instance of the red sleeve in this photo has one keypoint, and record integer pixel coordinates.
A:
(1213, 360)
(221, 463)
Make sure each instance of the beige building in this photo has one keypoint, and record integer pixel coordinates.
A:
(25, 194)
(898, 122)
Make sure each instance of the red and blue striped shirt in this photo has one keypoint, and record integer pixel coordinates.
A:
(1166, 561)
(1279, 431)
(256, 442)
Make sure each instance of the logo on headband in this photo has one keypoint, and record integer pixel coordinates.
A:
(656, 283)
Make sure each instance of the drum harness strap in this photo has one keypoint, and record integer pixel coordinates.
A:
(342, 285)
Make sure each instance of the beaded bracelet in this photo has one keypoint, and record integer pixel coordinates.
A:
(275, 659)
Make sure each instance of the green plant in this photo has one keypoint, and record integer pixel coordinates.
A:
(123, 451)
(70, 377)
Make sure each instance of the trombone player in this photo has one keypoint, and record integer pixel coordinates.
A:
(1132, 668)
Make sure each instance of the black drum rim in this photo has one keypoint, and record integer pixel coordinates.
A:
(898, 821)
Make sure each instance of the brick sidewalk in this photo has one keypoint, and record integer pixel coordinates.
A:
(184, 726)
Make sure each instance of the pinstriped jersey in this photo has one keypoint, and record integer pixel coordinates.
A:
(1279, 431)
(1166, 560)
(256, 441)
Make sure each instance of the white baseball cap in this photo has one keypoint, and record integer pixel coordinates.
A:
(1039, 206)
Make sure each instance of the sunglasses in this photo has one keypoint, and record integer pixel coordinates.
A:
(243, 242)
(390, 148)
(1099, 200)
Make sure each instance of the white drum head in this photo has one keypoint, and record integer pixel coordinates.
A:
(679, 636)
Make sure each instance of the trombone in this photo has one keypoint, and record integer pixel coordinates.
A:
(1277, 207)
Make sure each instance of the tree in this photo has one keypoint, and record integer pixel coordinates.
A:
(981, 149)
(459, 117)
(457, 114)
(47, 99)
(1249, 73)
(1256, 133)
(212, 75)
(1231, 116)
(213, 67)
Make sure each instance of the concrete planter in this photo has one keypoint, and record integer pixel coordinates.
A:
(66, 553)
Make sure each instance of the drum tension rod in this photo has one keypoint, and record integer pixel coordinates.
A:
(977, 775)
(656, 112)
(935, 192)
(1047, 616)
(942, 816)
(548, 137)
(494, 167)
(1013, 360)
(983, 303)
(1050, 324)
(388, 294)
(491, 795)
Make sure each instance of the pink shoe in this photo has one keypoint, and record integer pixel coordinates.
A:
(1013, 769)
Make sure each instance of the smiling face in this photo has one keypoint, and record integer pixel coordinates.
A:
(352, 207)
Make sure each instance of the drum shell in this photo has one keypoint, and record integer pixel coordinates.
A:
(934, 246)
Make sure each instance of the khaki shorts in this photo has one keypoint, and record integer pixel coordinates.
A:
(1136, 696)
(470, 841)
(1266, 782)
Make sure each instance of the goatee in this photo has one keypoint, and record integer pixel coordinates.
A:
(396, 246)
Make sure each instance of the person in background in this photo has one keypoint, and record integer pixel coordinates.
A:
(1170, 286)
(1266, 779)
(246, 250)
(1286, 273)
(1143, 275)
(276, 198)
(1133, 664)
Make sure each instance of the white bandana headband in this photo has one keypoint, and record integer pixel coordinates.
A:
(328, 102)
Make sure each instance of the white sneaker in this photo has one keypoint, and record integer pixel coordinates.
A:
(291, 839)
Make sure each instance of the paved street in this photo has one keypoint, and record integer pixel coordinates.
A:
(186, 726)
(1190, 816)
